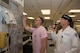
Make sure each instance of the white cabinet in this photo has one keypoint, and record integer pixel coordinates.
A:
(20, 2)
(50, 49)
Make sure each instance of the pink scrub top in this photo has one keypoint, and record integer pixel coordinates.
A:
(38, 34)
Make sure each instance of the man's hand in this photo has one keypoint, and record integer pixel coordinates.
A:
(24, 18)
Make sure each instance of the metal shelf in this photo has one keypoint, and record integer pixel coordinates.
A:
(25, 42)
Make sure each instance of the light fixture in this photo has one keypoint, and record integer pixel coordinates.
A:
(30, 17)
(58, 21)
(24, 13)
(77, 25)
(72, 15)
(46, 17)
(78, 20)
(45, 11)
(74, 11)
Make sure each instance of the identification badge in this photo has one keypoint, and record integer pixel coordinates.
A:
(75, 34)
(61, 41)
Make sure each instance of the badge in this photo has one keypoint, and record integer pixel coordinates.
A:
(76, 34)
(61, 41)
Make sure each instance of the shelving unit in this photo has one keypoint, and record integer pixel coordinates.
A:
(27, 43)
(26, 39)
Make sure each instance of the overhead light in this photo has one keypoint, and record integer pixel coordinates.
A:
(45, 12)
(24, 13)
(72, 15)
(78, 20)
(46, 17)
(74, 11)
(58, 21)
(30, 17)
(77, 25)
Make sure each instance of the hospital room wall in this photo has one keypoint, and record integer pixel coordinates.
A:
(15, 30)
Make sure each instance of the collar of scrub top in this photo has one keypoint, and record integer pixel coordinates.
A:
(68, 27)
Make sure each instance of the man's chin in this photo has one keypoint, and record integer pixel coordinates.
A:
(34, 26)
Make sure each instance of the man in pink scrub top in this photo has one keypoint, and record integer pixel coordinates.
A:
(39, 35)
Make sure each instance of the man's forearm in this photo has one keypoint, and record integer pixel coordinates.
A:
(42, 49)
(24, 23)
(44, 44)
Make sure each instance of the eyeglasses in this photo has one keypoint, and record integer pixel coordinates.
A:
(36, 20)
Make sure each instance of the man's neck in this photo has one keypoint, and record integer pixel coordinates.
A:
(38, 26)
